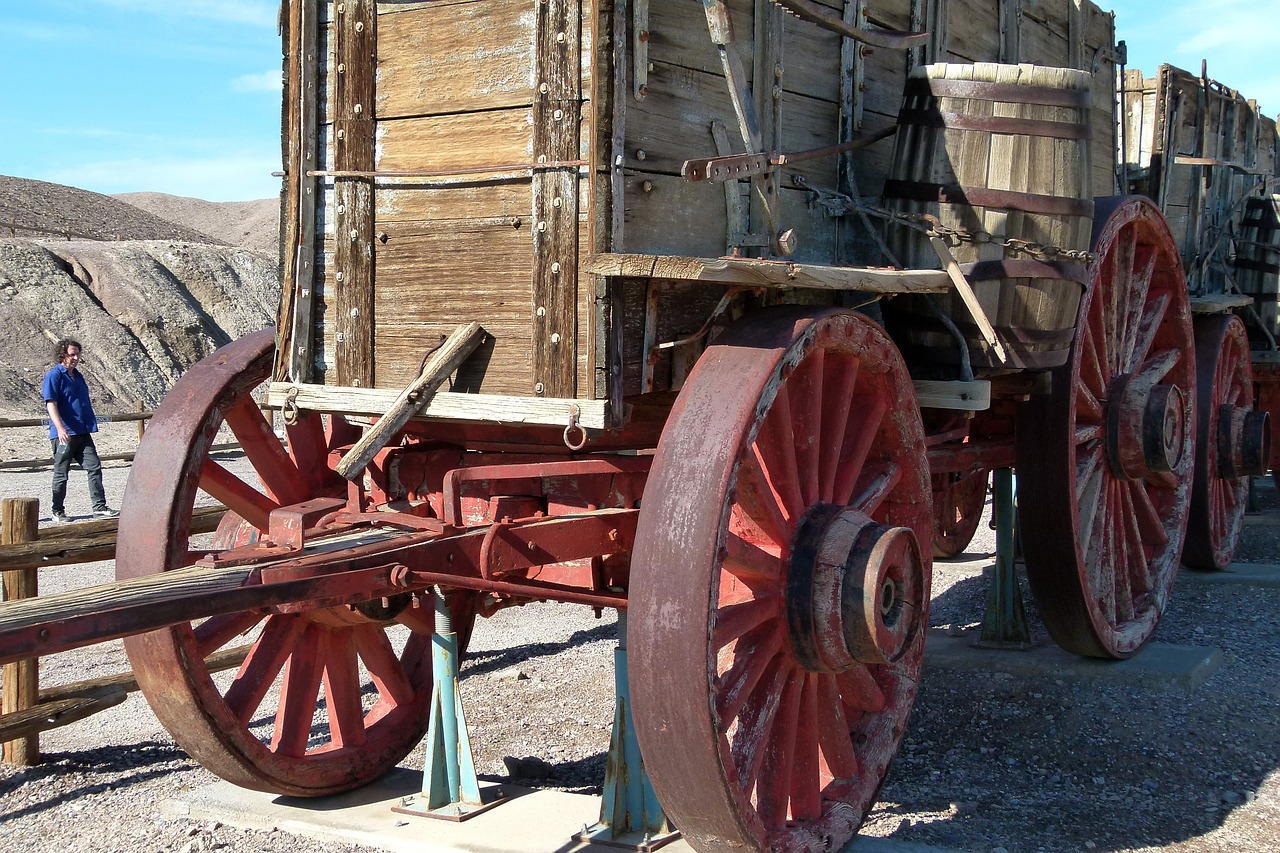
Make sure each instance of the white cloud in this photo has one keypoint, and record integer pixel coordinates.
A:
(253, 12)
(267, 81)
(240, 176)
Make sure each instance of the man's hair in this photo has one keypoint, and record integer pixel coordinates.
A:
(60, 349)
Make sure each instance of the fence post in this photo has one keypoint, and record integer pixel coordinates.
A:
(19, 522)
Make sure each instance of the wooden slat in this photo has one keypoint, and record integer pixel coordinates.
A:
(760, 273)
(19, 520)
(374, 402)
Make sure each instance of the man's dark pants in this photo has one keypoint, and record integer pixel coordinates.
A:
(81, 450)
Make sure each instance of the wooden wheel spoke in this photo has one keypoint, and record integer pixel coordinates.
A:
(299, 695)
(805, 392)
(1157, 367)
(279, 473)
(1094, 524)
(237, 495)
(749, 562)
(1094, 374)
(383, 665)
(776, 451)
(1088, 408)
(1148, 519)
(1104, 561)
(1163, 480)
(1119, 288)
(860, 434)
(1139, 307)
(860, 691)
(774, 784)
(216, 631)
(737, 619)
(876, 483)
(342, 691)
(1087, 433)
(262, 665)
(755, 720)
(841, 379)
(834, 731)
(1127, 555)
(760, 503)
(747, 662)
(806, 777)
(308, 449)
(1145, 335)
(1139, 580)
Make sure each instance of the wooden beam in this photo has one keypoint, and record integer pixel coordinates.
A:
(971, 396)
(492, 408)
(750, 272)
(19, 523)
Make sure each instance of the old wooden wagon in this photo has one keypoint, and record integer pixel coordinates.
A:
(731, 296)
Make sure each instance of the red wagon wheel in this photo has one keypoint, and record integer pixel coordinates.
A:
(779, 597)
(1232, 442)
(1105, 462)
(958, 500)
(265, 728)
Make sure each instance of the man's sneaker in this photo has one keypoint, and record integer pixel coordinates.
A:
(105, 512)
(61, 517)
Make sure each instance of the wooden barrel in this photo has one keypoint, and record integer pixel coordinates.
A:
(1000, 150)
(1257, 260)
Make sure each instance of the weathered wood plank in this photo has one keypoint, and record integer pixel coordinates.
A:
(493, 408)
(762, 273)
(19, 524)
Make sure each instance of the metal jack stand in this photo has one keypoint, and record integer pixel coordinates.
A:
(1005, 623)
(450, 789)
(630, 815)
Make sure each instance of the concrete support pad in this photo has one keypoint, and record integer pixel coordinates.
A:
(1157, 665)
(1250, 574)
(533, 821)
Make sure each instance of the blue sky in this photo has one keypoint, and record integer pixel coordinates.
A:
(182, 96)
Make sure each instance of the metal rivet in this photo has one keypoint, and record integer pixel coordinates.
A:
(338, 276)
(640, 155)
(341, 337)
(359, 26)
(354, 234)
(542, 312)
(542, 226)
(561, 38)
(341, 209)
(342, 67)
(555, 338)
(355, 312)
(555, 267)
(539, 388)
(355, 382)
(342, 7)
(357, 109)
(557, 115)
(555, 202)
(647, 186)
(544, 88)
(341, 133)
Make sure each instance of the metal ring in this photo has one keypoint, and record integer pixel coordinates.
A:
(289, 411)
(573, 425)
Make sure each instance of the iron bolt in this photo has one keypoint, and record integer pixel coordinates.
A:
(640, 155)
(647, 186)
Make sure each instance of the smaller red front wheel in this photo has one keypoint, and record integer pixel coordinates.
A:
(958, 500)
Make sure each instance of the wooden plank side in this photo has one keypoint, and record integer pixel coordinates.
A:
(499, 137)
(438, 58)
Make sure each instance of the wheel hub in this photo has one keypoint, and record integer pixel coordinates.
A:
(1146, 428)
(1244, 442)
(853, 593)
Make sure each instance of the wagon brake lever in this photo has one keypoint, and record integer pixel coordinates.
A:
(807, 10)
(734, 166)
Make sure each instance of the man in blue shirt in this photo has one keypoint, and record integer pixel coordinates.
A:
(71, 428)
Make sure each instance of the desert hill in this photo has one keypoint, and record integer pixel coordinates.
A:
(253, 225)
(146, 296)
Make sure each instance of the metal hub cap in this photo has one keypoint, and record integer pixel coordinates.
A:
(1146, 428)
(853, 590)
(1244, 442)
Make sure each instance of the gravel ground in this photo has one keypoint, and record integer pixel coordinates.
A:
(991, 762)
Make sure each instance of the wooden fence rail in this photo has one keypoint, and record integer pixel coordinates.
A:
(24, 550)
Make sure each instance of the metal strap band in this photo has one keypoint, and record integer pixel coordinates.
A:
(1025, 268)
(1008, 93)
(996, 124)
(1255, 266)
(983, 197)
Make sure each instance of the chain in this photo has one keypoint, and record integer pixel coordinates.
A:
(929, 225)
(838, 204)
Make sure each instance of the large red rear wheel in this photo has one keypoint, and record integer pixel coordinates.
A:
(779, 596)
(1232, 441)
(327, 699)
(1105, 462)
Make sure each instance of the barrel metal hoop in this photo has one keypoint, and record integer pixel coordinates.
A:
(1012, 93)
(1025, 268)
(996, 124)
(983, 197)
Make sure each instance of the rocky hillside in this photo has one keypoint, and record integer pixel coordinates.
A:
(146, 296)
(253, 225)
